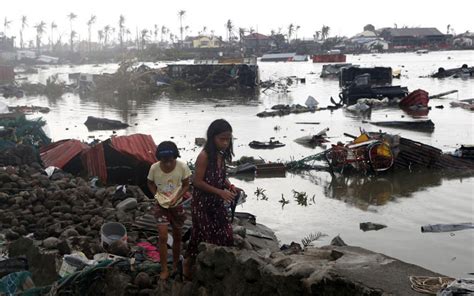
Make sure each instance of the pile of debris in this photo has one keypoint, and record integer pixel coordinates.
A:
(374, 153)
(463, 72)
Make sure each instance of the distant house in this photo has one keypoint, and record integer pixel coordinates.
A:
(257, 42)
(414, 37)
(206, 42)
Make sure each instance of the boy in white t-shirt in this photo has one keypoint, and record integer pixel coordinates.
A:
(168, 181)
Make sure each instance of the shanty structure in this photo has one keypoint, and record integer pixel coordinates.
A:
(414, 37)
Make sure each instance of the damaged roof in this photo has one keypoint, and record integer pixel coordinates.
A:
(60, 153)
(139, 146)
(416, 32)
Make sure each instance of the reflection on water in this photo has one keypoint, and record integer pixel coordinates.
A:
(365, 191)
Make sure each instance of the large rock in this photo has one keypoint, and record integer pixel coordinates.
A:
(127, 204)
(330, 270)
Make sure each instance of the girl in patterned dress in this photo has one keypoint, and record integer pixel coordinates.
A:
(211, 191)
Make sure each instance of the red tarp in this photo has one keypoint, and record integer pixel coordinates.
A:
(60, 153)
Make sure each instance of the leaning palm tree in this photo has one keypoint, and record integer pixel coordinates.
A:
(53, 27)
(230, 27)
(39, 34)
(6, 25)
(181, 14)
(121, 29)
(24, 24)
(90, 22)
(325, 32)
(71, 16)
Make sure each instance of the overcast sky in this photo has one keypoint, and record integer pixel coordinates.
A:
(344, 17)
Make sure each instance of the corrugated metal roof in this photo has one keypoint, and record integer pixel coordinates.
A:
(256, 36)
(418, 32)
(94, 161)
(139, 146)
(278, 56)
(60, 153)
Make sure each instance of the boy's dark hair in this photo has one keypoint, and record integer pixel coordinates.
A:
(217, 127)
(167, 149)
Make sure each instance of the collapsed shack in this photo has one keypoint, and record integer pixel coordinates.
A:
(374, 153)
(126, 81)
(118, 160)
(375, 83)
(214, 76)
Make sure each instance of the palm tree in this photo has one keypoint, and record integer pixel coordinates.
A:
(144, 38)
(121, 29)
(317, 35)
(163, 32)
(291, 29)
(90, 22)
(181, 14)
(53, 26)
(106, 34)
(24, 24)
(296, 32)
(71, 16)
(155, 32)
(6, 25)
(100, 36)
(230, 27)
(325, 32)
(39, 33)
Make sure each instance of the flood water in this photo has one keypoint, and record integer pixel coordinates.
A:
(404, 202)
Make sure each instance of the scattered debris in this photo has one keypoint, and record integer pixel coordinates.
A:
(416, 125)
(282, 110)
(462, 72)
(29, 109)
(334, 70)
(266, 145)
(465, 104)
(200, 142)
(447, 227)
(96, 123)
(369, 226)
(438, 96)
(316, 140)
(308, 240)
(417, 98)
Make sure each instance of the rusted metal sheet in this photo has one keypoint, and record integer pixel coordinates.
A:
(60, 153)
(94, 161)
(140, 146)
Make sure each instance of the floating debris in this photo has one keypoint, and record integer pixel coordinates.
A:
(369, 226)
(417, 125)
(96, 123)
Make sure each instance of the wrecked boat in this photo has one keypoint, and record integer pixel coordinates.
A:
(418, 97)
(375, 83)
(334, 70)
(266, 145)
(415, 125)
(96, 123)
(463, 72)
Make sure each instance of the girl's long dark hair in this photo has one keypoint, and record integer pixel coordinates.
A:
(217, 127)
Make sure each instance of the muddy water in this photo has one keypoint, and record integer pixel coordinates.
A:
(403, 202)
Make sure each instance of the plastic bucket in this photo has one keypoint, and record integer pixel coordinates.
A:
(112, 231)
(70, 265)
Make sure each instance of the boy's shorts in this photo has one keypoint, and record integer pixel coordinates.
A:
(174, 216)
